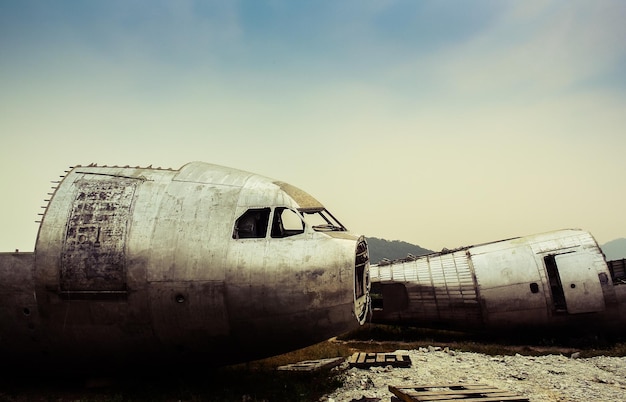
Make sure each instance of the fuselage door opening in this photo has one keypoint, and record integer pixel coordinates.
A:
(574, 283)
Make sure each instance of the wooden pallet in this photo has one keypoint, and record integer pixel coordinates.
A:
(454, 392)
(364, 360)
(313, 365)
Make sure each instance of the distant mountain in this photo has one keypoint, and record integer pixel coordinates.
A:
(395, 249)
(392, 250)
(615, 249)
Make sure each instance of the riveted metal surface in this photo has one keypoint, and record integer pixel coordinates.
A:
(131, 262)
(504, 285)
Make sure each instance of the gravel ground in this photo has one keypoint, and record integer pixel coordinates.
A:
(539, 378)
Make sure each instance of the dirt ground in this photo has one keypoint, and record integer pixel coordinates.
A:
(548, 378)
(538, 372)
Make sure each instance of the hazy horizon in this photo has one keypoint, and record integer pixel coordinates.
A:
(437, 123)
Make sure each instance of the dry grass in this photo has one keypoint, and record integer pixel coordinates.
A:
(321, 350)
(388, 338)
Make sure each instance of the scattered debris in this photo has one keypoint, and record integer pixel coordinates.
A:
(364, 399)
(540, 378)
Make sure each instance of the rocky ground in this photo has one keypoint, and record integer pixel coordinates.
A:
(541, 371)
(548, 378)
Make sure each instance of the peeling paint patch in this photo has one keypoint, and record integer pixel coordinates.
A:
(93, 257)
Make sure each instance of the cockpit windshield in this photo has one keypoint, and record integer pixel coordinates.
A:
(321, 220)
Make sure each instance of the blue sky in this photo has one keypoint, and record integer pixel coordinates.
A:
(442, 123)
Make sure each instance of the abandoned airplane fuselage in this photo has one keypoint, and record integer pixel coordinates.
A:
(545, 282)
(205, 263)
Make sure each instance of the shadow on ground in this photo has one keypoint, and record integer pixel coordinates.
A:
(260, 381)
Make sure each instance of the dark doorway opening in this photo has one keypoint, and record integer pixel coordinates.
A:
(556, 287)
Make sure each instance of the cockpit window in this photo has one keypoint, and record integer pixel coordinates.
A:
(286, 223)
(321, 220)
(252, 224)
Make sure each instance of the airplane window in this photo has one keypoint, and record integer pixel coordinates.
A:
(252, 224)
(286, 223)
(322, 221)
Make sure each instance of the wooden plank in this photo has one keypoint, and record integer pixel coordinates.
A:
(313, 365)
(366, 360)
(405, 359)
(452, 386)
(454, 393)
(458, 391)
(492, 399)
(464, 398)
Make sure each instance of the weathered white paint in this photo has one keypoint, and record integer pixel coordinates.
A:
(504, 285)
(136, 262)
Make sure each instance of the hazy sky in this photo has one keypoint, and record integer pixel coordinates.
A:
(441, 123)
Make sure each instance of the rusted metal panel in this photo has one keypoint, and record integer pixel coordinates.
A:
(92, 257)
